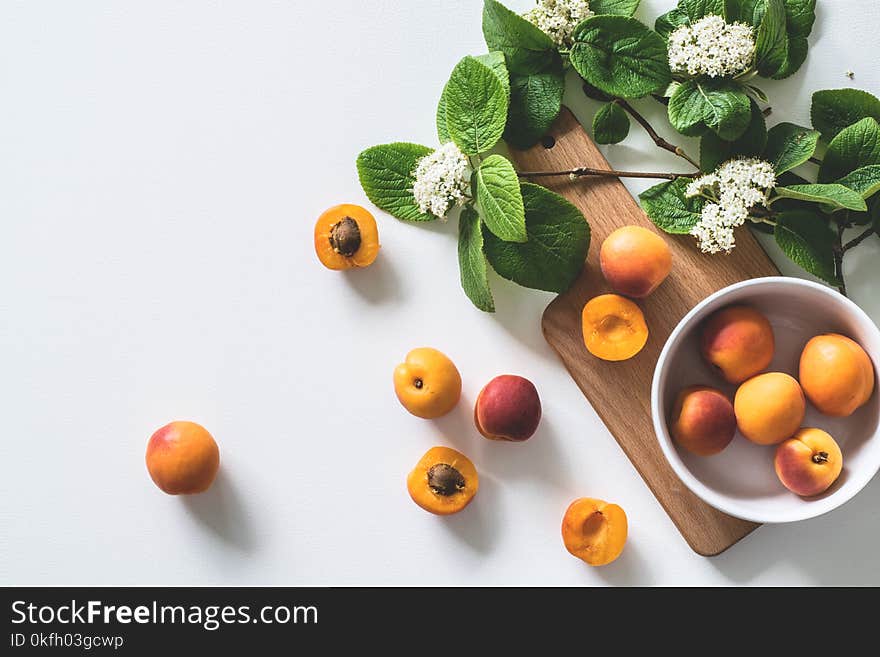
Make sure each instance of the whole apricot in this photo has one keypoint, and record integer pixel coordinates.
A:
(508, 408)
(427, 383)
(635, 260)
(809, 462)
(739, 342)
(182, 458)
(594, 531)
(836, 374)
(443, 482)
(703, 421)
(346, 236)
(614, 327)
(769, 408)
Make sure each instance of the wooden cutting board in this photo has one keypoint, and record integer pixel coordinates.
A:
(620, 392)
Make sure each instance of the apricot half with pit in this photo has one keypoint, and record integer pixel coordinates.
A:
(614, 327)
(836, 374)
(769, 408)
(443, 482)
(594, 531)
(182, 458)
(809, 462)
(508, 408)
(427, 383)
(635, 260)
(346, 236)
(739, 342)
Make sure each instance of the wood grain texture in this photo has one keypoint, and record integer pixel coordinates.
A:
(620, 392)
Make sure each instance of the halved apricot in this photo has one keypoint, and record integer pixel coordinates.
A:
(443, 482)
(614, 327)
(346, 236)
(594, 531)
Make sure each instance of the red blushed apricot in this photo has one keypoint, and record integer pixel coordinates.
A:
(702, 420)
(769, 408)
(508, 408)
(635, 260)
(183, 458)
(346, 236)
(809, 462)
(739, 342)
(836, 374)
(443, 482)
(614, 327)
(594, 531)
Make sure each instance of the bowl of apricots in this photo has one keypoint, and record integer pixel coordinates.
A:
(765, 400)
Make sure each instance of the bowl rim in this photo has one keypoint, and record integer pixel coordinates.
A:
(720, 501)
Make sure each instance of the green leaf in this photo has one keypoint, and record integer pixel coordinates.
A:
(527, 48)
(789, 146)
(714, 151)
(495, 61)
(865, 181)
(854, 147)
(669, 22)
(697, 9)
(807, 240)
(668, 207)
(833, 195)
(472, 261)
(836, 109)
(799, 17)
(386, 174)
(771, 41)
(744, 11)
(615, 7)
(476, 107)
(499, 200)
(610, 125)
(559, 238)
(620, 56)
(535, 102)
(719, 105)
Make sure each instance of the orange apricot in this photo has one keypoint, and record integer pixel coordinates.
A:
(635, 260)
(614, 327)
(346, 236)
(427, 383)
(594, 531)
(769, 408)
(809, 462)
(739, 342)
(836, 374)
(182, 458)
(443, 482)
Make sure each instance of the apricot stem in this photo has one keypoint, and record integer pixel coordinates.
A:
(821, 457)
(657, 139)
(418, 383)
(581, 172)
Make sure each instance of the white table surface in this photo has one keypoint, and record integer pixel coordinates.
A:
(162, 167)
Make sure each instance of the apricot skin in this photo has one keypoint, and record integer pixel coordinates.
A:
(594, 531)
(739, 341)
(703, 421)
(508, 408)
(769, 408)
(182, 458)
(614, 327)
(427, 383)
(417, 482)
(836, 374)
(635, 261)
(809, 462)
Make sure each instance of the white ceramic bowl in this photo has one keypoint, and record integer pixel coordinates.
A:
(741, 480)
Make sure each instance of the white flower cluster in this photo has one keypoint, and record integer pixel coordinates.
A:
(734, 189)
(712, 47)
(441, 180)
(558, 18)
